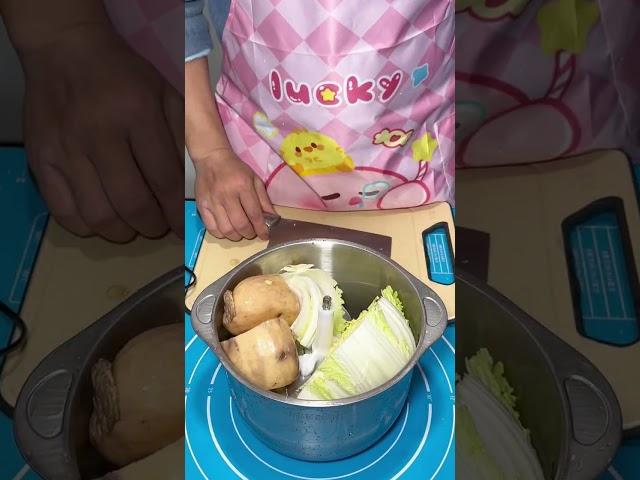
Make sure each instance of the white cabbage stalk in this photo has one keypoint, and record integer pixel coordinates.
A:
(494, 444)
(311, 285)
(322, 342)
(472, 459)
(370, 351)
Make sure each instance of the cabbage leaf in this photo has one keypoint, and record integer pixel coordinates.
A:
(370, 351)
(493, 442)
(310, 286)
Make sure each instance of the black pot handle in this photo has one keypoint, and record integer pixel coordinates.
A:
(44, 409)
(596, 421)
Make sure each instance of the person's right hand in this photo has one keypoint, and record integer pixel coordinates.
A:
(104, 135)
(230, 197)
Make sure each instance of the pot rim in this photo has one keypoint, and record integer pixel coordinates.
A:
(421, 344)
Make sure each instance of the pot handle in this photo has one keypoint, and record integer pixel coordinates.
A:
(596, 420)
(43, 409)
(435, 313)
(203, 308)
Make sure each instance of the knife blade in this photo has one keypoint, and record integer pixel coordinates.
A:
(282, 230)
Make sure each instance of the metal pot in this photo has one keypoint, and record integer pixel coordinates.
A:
(325, 430)
(51, 417)
(566, 403)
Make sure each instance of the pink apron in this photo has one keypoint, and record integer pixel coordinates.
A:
(342, 104)
(155, 30)
(540, 80)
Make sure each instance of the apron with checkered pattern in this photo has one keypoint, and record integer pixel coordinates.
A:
(154, 30)
(340, 104)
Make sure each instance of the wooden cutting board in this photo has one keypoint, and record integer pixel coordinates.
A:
(523, 215)
(405, 227)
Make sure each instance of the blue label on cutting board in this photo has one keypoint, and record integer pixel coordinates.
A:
(606, 300)
(439, 258)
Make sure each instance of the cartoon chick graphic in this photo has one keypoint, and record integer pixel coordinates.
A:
(313, 153)
(424, 147)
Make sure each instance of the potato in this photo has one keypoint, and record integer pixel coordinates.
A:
(265, 355)
(138, 400)
(256, 299)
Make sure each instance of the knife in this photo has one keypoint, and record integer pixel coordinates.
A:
(282, 230)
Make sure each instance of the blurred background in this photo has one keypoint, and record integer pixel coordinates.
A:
(11, 92)
(59, 283)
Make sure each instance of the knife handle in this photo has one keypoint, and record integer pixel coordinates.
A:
(271, 219)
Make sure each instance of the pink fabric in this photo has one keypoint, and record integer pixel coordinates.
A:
(342, 105)
(518, 101)
(155, 30)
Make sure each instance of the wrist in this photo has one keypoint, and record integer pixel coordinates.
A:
(55, 22)
(215, 157)
(206, 140)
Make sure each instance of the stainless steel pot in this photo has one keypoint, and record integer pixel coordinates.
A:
(566, 403)
(325, 430)
(51, 417)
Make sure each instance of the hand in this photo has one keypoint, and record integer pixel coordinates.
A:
(231, 198)
(104, 136)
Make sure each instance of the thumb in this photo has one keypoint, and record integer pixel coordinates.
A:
(263, 197)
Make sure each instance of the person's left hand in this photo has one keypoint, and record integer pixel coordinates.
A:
(104, 136)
